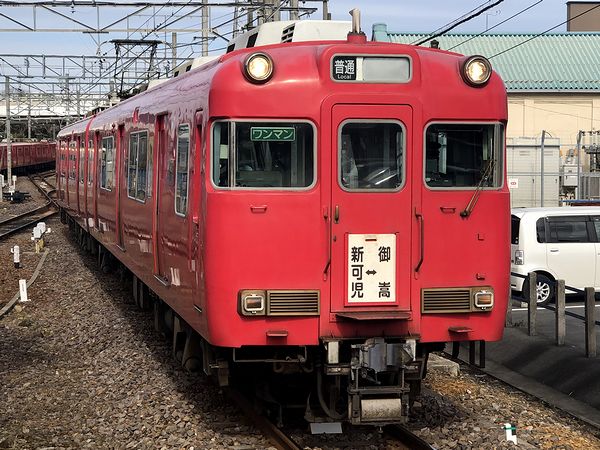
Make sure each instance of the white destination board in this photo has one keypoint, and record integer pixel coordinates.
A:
(371, 268)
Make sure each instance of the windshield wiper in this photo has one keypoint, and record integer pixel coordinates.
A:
(484, 179)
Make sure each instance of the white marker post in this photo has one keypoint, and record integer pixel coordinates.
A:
(39, 232)
(511, 433)
(16, 256)
(23, 290)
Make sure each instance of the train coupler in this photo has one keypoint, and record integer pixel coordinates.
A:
(378, 393)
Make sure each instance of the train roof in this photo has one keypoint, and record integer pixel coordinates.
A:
(298, 59)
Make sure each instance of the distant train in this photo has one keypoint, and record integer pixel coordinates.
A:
(28, 156)
(326, 210)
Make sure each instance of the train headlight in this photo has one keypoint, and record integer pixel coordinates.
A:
(484, 299)
(252, 303)
(258, 67)
(476, 71)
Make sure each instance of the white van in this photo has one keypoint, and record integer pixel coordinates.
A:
(556, 243)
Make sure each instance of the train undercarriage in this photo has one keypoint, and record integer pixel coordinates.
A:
(363, 381)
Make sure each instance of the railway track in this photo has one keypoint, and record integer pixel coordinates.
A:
(282, 441)
(29, 218)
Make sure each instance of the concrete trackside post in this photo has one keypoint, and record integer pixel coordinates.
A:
(590, 322)
(532, 304)
(560, 313)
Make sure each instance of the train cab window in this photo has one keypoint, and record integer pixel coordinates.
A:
(464, 155)
(182, 169)
(107, 163)
(371, 155)
(137, 175)
(267, 155)
(90, 161)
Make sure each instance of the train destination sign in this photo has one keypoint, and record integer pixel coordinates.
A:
(371, 268)
(343, 68)
(269, 134)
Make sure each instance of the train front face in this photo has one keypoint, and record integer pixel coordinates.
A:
(357, 215)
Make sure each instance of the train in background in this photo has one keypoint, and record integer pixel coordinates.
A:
(309, 206)
(28, 156)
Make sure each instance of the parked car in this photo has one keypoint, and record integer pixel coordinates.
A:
(555, 243)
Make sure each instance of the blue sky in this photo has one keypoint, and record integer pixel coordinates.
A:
(428, 15)
(399, 15)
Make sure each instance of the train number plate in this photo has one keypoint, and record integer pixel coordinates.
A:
(371, 268)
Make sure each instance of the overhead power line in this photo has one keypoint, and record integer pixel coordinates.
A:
(497, 25)
(458, 22)
(544, 32)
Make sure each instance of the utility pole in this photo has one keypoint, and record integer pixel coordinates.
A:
(542, 169)
(205, 25)
(8, 141)
(579, 135)
(174, 52)
(294, 11)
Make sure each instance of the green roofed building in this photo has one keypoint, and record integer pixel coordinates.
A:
(553, 84)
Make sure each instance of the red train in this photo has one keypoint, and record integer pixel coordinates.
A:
(29, 155)
(334, 210)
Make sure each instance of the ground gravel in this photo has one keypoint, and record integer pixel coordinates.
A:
(82, 367)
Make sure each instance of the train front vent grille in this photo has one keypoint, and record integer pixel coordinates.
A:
(446, 300)
(293, 303)
(288, 34)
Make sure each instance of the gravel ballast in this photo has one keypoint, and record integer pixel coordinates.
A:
(82, 367)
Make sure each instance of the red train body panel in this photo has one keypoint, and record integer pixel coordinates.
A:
(26, 154)
(304, 239)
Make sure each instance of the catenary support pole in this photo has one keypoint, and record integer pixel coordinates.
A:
(8, 137)
(542, 169)
(579, 136)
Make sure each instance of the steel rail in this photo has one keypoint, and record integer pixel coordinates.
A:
(17, 223)
(407, 437)
(14, 224)
(278, 438)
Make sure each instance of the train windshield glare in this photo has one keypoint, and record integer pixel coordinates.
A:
(462, 155)
(371, 155)
(275, 155)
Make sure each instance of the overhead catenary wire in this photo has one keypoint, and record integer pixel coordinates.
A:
(544, 32)
(497, 25)
(458, 22)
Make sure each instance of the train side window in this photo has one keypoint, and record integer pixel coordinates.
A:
(81, 161)
(371, 155)
(137, 174)
(220, 160)
(464, 155)
(182, 169)
(107, 163)
(90, 161)
(72, 161)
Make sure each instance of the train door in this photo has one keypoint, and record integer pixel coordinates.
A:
(119, 180)
(160, 203)
(371, 211)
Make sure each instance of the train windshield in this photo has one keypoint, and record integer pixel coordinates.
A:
(276, 155)
(464, 155)
(371, 155)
